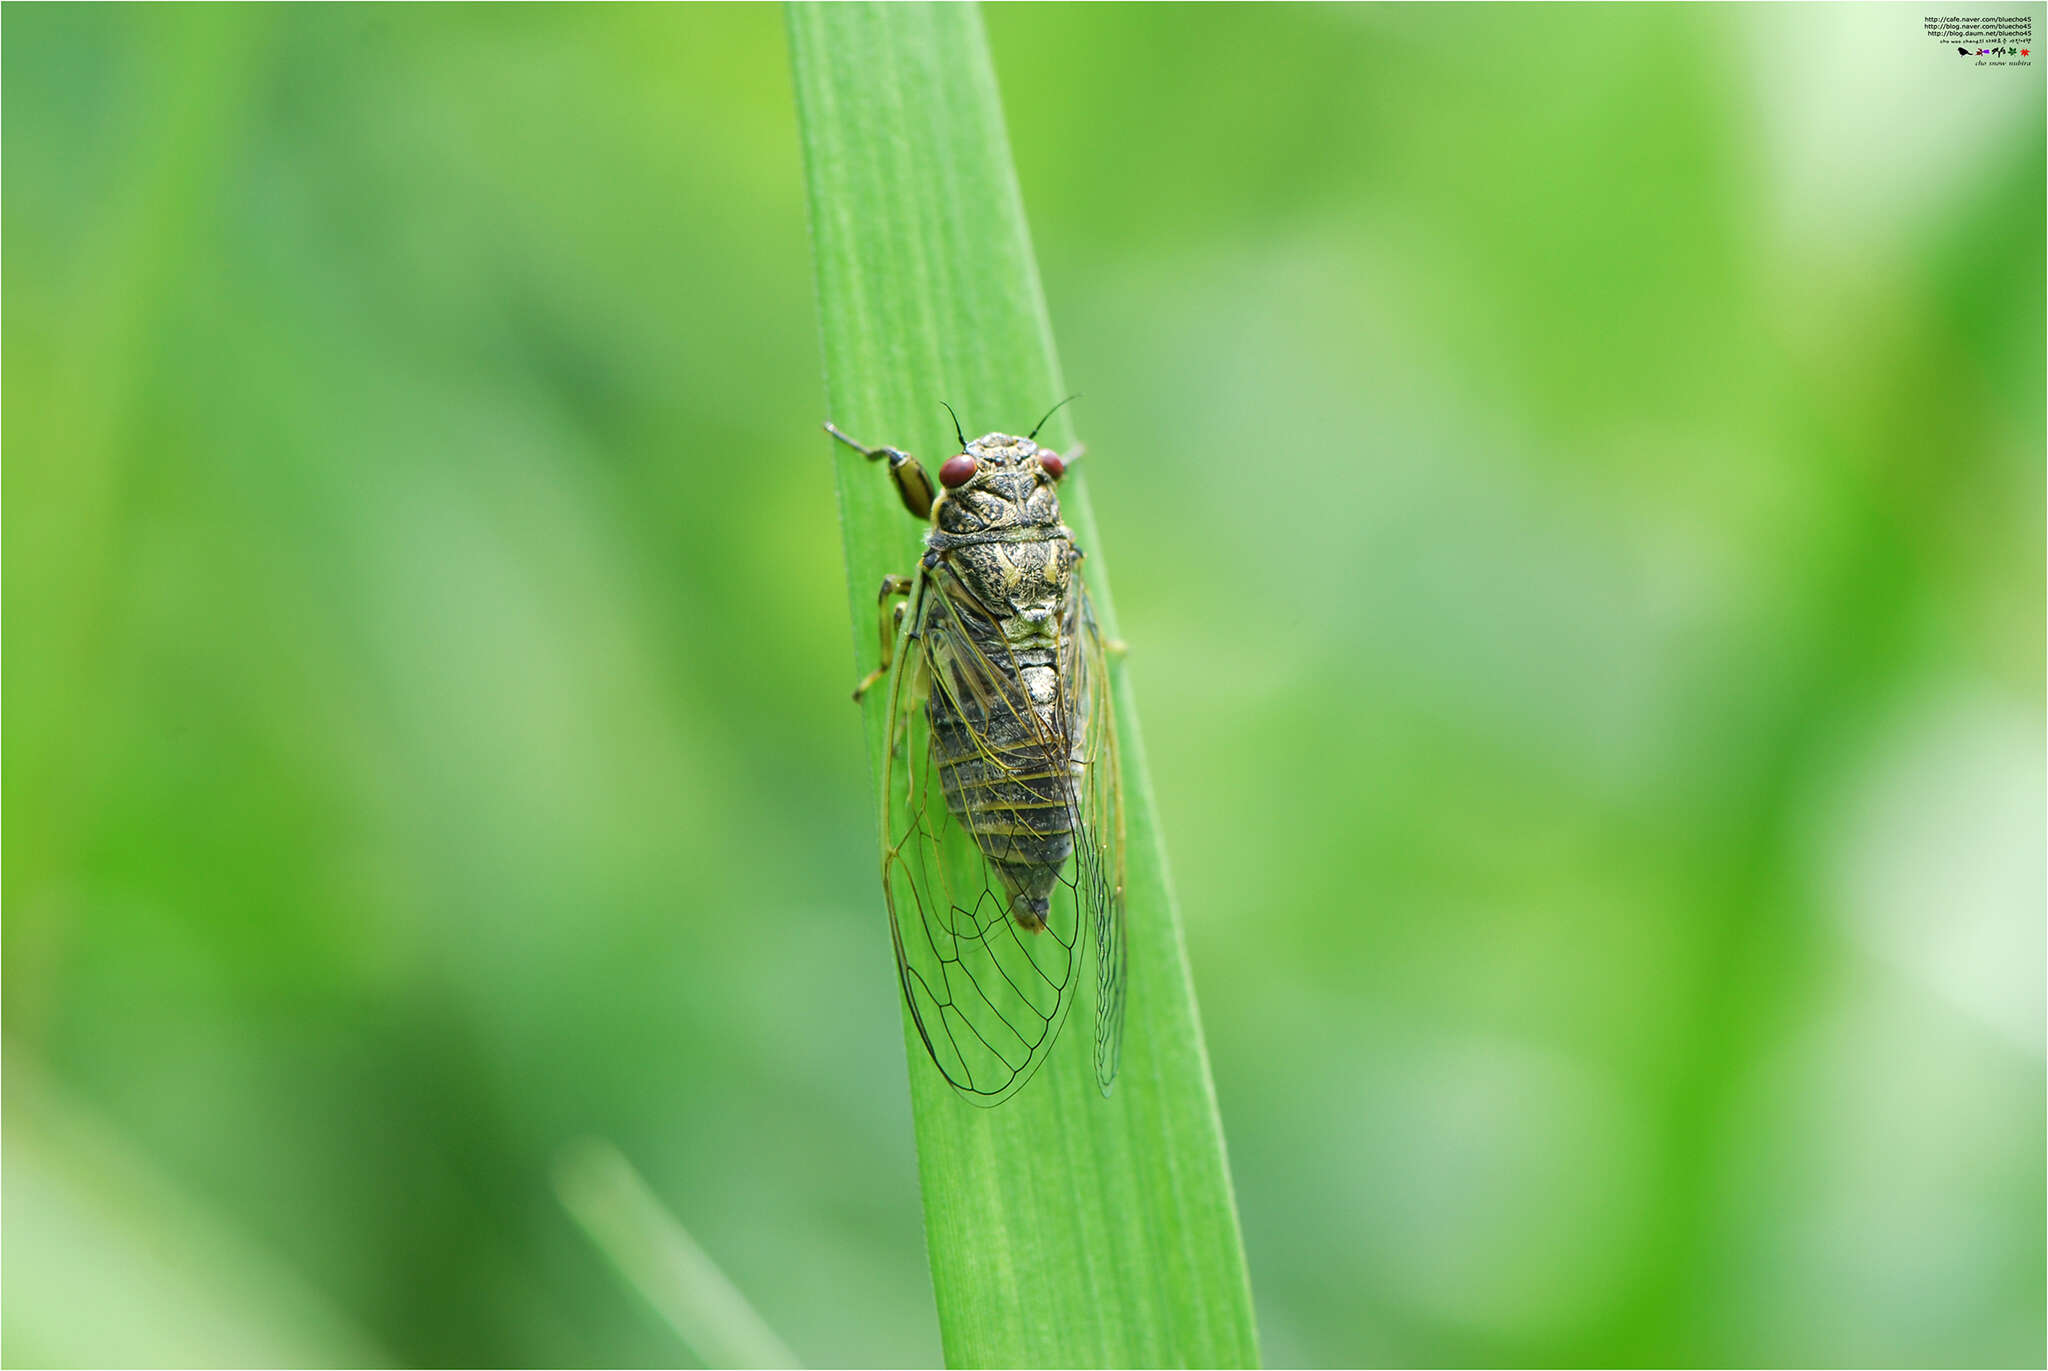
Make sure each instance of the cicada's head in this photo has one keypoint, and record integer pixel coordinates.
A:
(1000, 481)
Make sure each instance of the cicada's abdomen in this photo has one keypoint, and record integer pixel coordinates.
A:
(1008, 779)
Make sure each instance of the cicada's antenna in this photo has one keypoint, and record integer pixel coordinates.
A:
(956, 426)
(1048, 414)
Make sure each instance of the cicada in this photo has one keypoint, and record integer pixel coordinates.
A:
(1002, 808)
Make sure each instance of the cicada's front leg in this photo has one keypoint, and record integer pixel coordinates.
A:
(911, 483)
(890, 620)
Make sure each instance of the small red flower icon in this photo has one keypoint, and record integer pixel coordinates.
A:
(2023, 52)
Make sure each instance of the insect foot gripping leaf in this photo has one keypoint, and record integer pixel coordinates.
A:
(1065, 1229)
(1002, 798)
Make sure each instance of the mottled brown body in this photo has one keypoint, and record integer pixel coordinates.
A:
(1000, 537)
(1002, 805)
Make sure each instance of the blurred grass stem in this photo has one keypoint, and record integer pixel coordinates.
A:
(662, 1261)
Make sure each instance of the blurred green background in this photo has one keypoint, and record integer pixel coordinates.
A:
(1572, 479)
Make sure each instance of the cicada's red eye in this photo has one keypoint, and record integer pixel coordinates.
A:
(1049, 460)
(957, 471)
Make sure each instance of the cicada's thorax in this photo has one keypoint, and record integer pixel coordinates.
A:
(1008, 778)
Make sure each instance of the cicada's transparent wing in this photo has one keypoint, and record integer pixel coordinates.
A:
(1099, 831)
(988, 996)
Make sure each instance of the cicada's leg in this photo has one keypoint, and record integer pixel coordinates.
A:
(911, 483)
(890, 620)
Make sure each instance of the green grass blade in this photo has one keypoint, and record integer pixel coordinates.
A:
(1064, 1229)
